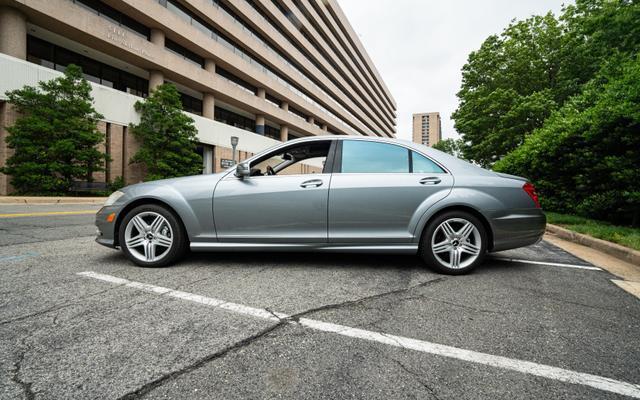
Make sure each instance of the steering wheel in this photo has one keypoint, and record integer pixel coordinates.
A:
(270, 170)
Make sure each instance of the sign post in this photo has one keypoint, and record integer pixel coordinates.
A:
(234, 143)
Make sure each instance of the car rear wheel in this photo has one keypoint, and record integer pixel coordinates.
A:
(454, 243)
(152, 236)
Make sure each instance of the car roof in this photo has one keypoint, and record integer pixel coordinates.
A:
(451, 163)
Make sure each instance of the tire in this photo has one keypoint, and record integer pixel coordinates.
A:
(157, 234)
(454, 240)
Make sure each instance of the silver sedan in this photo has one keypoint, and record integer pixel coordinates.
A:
(339, 194)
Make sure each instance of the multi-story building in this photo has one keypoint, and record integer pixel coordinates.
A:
(427, 128)
(262, 70)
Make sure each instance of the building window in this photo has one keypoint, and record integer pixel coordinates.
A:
(234, 119)
(234, 79)
(184, 52)
(191, 104)
(273, 100)
(273, 133)
(115, 16)
(297, 113)
(55, 57)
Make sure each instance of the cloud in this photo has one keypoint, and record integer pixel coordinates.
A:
(419, 47)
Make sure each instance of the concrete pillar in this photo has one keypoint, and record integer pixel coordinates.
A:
(13, 33)
(324, 128)
(284, 133)
(311, 120)
(261, 93)
(284, 105)
(157, 37)
(156, 78)
(260, 124)
(210, 65)
(208, 105)
(207, 160)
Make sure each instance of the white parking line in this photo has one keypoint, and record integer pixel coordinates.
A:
(553, 264)
(526, 367)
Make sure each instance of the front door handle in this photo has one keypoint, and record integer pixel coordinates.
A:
(311, 183)
(430, 180)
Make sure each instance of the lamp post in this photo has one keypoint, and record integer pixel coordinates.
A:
(234, 143)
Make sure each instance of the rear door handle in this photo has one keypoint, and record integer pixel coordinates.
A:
(430, 180)
(311, 183)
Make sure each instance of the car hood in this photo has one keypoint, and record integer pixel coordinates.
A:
(177, 183)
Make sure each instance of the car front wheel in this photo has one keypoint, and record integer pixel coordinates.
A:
(151, 236)
(454, 243)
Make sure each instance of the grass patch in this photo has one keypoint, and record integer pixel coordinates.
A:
(623, 235)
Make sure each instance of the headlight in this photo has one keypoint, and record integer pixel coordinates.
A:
(113, 198)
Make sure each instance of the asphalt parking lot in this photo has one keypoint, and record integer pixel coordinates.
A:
(78, 321)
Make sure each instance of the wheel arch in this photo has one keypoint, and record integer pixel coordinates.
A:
(460, 207)
(144, 201)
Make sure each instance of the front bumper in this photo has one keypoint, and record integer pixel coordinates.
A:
(106, 231)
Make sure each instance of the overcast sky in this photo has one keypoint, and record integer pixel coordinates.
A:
(420, 46)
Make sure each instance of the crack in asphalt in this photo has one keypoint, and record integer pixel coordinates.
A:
(15, 377)
(361, 300)
(481, 310)
(161, 380)
(417, 377)
(148, 387)
(57, 306)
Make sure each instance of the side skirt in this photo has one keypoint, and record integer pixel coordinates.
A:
(302, 247)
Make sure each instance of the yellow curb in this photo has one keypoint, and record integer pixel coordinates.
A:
(50, 200)
(44, 214)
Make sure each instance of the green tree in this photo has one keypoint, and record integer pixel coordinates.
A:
(516, 80)
(55, 137)
(586, 157)
(450, 146)
(167, 134)
(508, 88)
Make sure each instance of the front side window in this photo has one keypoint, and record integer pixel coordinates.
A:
(422, 164)
(300, 160)
(373, 157)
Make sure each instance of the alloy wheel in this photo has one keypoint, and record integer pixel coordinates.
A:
(148, 236)
(456, 243)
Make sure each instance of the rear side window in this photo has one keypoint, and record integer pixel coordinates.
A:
(372, 157)
(422, 164)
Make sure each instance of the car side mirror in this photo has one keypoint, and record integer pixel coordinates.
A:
(243, 170)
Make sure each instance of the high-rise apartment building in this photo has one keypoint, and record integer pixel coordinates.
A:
(427, 128)
(262, 70)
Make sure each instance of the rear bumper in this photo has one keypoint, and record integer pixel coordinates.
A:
(517, 228)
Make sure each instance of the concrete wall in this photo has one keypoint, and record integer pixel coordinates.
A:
(118, 111)
(117, 107)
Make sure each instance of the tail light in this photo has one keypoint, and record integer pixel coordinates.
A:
(531, 191)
